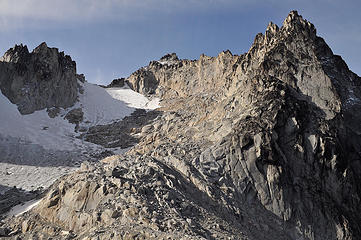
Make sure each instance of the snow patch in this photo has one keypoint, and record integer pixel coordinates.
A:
(167, 62)
(37, 127)
(133, 99)
(100, 107)
(35, 149)
(164, 62)
(352, 99)
(23, 208)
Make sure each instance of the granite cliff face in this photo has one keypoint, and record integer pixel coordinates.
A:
(41, 79)
(265, 145)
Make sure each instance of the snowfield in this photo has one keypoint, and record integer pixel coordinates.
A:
(133, 99)
(35, 149)
(100, 106)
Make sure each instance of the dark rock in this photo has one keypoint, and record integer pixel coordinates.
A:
(4, 232)
(121, 133)
(53, 112)
(117, 172)
(81, 77)
(169, 57)
(119, 82)
(41, 79)
(75, 116)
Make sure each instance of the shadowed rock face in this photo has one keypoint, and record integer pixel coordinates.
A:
(41, 79)
(264, 145)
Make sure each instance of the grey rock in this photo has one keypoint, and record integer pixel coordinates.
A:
(75, 116)
(44, 78)
(4, 232)
(121, 133)
(169, 57)
(81, 77)
(117, 83)
(53, 112)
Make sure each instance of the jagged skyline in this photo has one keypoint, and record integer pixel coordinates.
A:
(111, 39)
(263, 145)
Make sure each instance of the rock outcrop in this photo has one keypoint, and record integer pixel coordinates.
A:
(41, 79)
(116, 83)
(265, 145)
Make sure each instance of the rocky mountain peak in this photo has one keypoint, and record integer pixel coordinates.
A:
(296, 55)
(169, 57)
(14, 54)
(41, 79)
(43, 47)
(293, 18)
(295, 22)
(272, 28)
(295, 28)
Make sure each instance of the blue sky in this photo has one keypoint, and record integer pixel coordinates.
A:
(112, 38)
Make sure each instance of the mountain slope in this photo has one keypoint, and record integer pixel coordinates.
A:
(264, 145)
(40, 146)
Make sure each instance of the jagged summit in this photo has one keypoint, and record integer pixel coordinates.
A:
(297, 23)
(272, 28)
(169, 57)
(294, 23)
(41, 79)
(15, 53)
(294, 26)
(286, 53)
(42, 47)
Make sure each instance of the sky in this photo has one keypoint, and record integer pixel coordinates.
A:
(110, 39)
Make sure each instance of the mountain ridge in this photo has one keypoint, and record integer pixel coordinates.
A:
(263, 145)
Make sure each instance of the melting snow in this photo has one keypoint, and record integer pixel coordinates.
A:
(35, 149)
(23, 208)
(30, 127)
(164, 62)
(100, 106)
(133, 99)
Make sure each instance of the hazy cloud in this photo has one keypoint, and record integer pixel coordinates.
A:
(65, 10)
(20, 11)
(23, 13)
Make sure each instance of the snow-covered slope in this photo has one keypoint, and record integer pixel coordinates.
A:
(35, 149)
(37, 128)
(133, 99)
(100, 106)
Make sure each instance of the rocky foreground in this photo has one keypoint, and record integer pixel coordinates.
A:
(265, 145)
